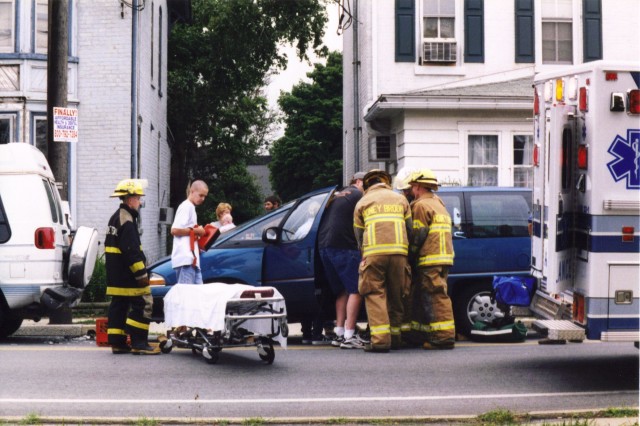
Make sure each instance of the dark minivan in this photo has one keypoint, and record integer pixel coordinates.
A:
(279, 250)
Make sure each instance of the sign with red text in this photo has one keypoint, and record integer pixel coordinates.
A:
(65, 124)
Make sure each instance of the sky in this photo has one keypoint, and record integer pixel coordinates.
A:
(297, 70)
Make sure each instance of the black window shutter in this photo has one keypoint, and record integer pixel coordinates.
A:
(592, 26)
(473, 31)
(525, 51)
(405, 31)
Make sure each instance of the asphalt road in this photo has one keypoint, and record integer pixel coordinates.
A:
(76, 379)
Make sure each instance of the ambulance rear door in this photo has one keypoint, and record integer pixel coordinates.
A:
(560, 141)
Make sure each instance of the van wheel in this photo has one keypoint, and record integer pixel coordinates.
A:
(10, 322)
(473, 304)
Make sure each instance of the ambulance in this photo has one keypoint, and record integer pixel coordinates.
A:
(586, 200)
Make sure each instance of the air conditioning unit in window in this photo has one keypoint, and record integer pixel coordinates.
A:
(439, 51)
(382, 148)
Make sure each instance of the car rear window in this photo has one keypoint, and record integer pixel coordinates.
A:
(499, 214)
(5, 229)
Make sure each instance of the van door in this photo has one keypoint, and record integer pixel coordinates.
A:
(497, 233)
(558, 199)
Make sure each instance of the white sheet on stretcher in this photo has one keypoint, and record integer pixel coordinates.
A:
(204, 306)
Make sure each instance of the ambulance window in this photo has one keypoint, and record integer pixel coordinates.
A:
(52, 203)
(5, 230)
(566, 158)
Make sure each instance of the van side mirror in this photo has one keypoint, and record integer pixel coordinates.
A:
(457, 219)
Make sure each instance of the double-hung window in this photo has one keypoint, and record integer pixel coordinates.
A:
(482, 160)
(7, 22)
(557, 31)
(522, 161)
(6, 129)
(438, 31)
(42, 26)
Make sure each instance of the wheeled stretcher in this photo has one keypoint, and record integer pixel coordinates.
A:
(208, 318)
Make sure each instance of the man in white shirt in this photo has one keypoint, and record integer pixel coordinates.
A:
(185, 256)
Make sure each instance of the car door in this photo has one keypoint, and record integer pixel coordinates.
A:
(289, 262)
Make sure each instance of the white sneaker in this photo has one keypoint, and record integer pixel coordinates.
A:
(352, 343)
(337, 341)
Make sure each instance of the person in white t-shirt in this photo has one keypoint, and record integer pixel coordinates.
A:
(185, 256)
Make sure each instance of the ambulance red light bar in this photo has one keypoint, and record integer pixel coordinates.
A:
(634, 101)
(583, 157)
(536, 103)
(583, 100)
(611, 76)
(627, 234)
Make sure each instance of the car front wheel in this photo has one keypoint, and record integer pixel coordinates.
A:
(473, 304)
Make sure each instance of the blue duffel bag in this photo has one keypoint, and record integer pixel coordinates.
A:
(513, 291)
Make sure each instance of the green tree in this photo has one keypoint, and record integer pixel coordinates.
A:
(217, 64)
(309, 155)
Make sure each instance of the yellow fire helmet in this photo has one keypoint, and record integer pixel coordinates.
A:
(130, 187)
(400, 181)
(426, 178)
(377, 175)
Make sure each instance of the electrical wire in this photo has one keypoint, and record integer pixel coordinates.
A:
(130, 5)
(344, 11)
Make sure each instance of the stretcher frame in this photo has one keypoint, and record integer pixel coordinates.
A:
(256, 304)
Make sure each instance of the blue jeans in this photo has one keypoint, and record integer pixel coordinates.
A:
(188, 274)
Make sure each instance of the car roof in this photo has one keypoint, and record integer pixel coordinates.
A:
(483, 189)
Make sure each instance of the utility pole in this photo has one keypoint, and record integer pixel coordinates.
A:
(57, 152)
(57, 52)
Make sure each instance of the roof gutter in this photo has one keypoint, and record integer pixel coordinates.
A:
(386, 105)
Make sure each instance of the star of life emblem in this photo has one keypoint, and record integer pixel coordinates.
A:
(626, 164)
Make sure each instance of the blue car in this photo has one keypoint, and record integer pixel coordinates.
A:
(284, 257)
(279, 249)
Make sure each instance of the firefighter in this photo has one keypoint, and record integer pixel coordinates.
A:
(127, 277)
(382, 223)
(432, 251)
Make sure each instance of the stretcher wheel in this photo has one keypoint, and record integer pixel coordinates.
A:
(266, 352)
(195, 351)
(284, 329)
(166, 346)
(211, 355)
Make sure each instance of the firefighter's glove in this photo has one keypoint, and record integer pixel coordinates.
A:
(143, 281)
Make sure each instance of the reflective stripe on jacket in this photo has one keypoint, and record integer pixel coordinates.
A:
(384, 216)
(430, 213)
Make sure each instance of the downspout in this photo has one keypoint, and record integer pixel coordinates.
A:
(134, 94)
(356, 91)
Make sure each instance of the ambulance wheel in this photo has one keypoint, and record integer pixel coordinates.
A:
(211, 356)
(267, 353)
(473, 303)
(166, 348)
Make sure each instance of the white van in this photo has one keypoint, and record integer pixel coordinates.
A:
(40, 269)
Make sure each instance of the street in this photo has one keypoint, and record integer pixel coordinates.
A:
(76, 379)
